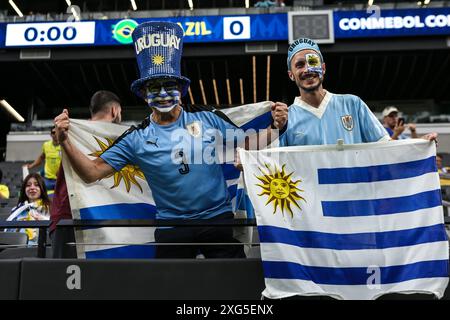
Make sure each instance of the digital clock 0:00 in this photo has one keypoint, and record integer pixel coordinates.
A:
(53, 34)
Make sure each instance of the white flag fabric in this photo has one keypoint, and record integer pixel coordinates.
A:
(126, 194)
(355, 223)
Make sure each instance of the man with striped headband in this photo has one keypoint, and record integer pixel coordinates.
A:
(318, 116)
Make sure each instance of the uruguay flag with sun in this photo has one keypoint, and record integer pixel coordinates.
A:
(352, 224)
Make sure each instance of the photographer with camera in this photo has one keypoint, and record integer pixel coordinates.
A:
(396, 125)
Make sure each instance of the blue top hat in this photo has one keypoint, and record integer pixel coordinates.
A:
(158, 46)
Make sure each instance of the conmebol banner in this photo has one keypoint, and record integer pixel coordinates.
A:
(392, 23)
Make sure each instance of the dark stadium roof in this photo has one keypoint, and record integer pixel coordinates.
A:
(60, 6)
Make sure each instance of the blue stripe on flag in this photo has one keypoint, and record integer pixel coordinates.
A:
(232, 190)
(260, 122)
(354, 208)
(119, 211)
(377, 173)
(230, 171)
(352, 241)
(355, 275)
(243, 203)
(125, 252)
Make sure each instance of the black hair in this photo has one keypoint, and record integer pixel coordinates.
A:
(100, 101)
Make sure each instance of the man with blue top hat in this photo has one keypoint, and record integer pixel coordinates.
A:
(318, 116)
(164, 147)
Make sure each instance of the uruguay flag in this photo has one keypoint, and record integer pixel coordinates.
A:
(352, 224)
(126, 194)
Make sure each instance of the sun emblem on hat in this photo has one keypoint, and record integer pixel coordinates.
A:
(158, 59)
(129, 173)
(280, 189)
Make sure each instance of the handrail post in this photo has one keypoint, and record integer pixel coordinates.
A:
(42, 242)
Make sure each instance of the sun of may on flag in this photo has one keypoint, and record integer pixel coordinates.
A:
(354, 222)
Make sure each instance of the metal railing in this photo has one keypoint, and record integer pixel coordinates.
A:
(41, 225)
(44, 225)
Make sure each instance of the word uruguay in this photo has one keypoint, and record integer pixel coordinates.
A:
(157, 40)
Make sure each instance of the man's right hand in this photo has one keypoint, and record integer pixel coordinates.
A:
(62, 126)
(398, 129)
(279, 114)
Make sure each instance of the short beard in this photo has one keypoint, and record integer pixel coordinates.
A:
(313, 88)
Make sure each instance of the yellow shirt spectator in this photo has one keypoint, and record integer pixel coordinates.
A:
(444, 177)
(52, 159)
(4, 192)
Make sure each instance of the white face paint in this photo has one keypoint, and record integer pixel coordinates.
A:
(163, 95)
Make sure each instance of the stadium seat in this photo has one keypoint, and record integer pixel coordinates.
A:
(4, 213)
(9, 279)
(13, 238)
(17, 253)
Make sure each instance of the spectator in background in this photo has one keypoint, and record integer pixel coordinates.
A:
(395, 126)
(280, 3)
(33, 204)
(51, 155)
(4, 191)
(439, 158)
(444, 172)
(104, 106)
(444, 177)
(264, 4)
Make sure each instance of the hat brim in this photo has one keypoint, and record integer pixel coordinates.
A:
(137, 86)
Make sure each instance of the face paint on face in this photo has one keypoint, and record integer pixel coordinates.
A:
(313, 64)
(163, 96)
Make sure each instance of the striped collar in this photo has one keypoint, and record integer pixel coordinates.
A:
(320, 110)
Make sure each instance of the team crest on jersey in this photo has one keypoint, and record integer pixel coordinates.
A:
(347, 122)
(194, 129)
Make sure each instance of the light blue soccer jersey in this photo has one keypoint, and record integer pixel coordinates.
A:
(339, 116)
(165, 154)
